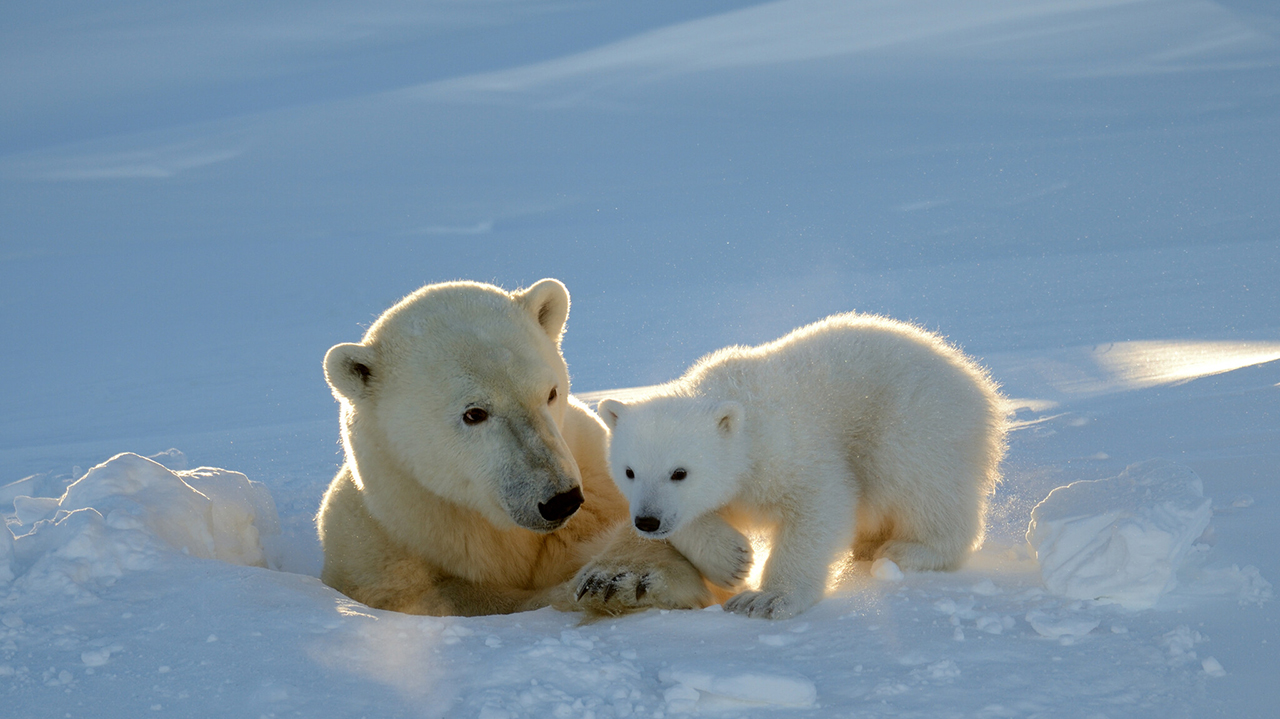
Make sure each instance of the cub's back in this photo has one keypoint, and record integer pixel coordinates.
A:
(841, 359)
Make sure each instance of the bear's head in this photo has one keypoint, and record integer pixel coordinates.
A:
(674, 458)
(461, 387)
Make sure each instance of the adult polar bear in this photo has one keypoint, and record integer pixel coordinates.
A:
(473, 482)
(854, 432)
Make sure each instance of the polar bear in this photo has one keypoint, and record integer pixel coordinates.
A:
(854, 432)
(473, 482)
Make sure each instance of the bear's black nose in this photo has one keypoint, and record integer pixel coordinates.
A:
(648, 524)
(561, 506)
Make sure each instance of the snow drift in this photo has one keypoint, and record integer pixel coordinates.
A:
(1120, 539)
(127, 513)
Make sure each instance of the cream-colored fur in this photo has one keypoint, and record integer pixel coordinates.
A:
(465, 454)
(856, 432)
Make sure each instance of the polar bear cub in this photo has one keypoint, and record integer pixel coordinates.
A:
(856, 432)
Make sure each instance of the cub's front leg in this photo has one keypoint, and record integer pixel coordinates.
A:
(632, 574)
(813, 533)
(718, 550)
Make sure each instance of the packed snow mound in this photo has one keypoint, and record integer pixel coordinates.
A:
(1120, 539)
(128, 512)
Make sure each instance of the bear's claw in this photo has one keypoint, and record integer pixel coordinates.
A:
(612, 587)
(613, 592)
(768, 604)
(634, 574)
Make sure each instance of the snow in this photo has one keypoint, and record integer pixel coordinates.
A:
(1120, 539)
(731, 686)
(886, 570)
(125, 514)
(1212, 667)
(199, 200)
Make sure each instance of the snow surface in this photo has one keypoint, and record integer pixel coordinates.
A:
(196, 201)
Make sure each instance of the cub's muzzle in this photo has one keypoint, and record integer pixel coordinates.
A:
(648, 524)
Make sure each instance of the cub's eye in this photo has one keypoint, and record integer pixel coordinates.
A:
(552, 397)
(630, 474)
(475, 415)
(679, 474)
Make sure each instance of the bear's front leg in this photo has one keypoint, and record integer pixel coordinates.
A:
(633, 574)
(718, 550)
(813, 532)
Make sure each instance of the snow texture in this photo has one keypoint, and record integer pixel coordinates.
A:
(199, 199)
(1120, 539)
(728, 686)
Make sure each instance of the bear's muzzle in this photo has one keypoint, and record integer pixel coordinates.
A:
(561, 506)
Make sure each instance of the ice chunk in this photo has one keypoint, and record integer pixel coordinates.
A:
(994, 623)
(986, 588)
(726, 686)
(1180, 643)
(1244, 583)
(886, 570)
(1063, 625)
(945, 669)
(1119, 539)
(1213, 667)
(99, 657)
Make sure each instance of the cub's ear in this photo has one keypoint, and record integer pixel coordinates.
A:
(350, 370)
(610, 410)
(728, 416)
(547, 301)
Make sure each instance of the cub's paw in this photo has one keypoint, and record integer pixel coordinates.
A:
(725, 563)
(766, 605)
(719, 551)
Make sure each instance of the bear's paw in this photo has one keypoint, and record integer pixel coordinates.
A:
(767, 604)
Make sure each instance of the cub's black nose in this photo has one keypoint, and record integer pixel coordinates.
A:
(561, 506)
(648, 524)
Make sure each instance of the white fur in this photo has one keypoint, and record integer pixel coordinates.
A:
(435, 514)
(427, 365)
(854, 432)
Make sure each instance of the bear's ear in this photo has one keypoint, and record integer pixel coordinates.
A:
(547, 301)
(610, 410)
(728, 416)
(350, 370)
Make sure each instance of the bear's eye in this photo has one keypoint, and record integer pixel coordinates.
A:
(474, 415)
(552, 397)
(630, 474)
(679, 474)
